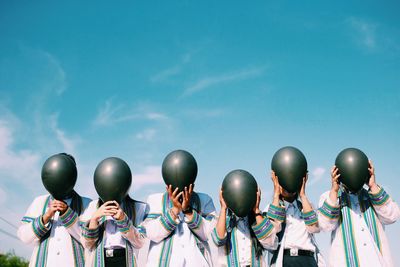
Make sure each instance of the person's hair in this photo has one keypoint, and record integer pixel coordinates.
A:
(195, 202)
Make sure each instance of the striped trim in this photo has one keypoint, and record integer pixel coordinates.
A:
(124, 224)
(195, 222)
(90, 233)
(329, 211)
(310, 217)
(277, 213)
(168, 222)
(130, 255)
(99, 256)
(78, 253)
(218, 241)
(141, 229)
(39, 228)
(232, 256)
(27, 219)
(41, 256)
(165, 252)
(263, 229)
(348, 238)
(68, 218)
(151, 216)
(379, 198)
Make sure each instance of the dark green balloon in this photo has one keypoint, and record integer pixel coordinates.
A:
(59, 175)
(290, 165)
(239, 190)
(179, 169)
(112, 179)
(353, 168)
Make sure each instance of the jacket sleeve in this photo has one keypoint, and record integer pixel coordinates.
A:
(158, 225)
(311, 221)
(328, 213)
(387, 210)
(89, 237)
(32, 229)
(203, 224)
(129, 232)
(71, 222)
(265, 232)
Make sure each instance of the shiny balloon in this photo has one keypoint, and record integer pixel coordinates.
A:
(179, 169)
(239, 190)
(353, 168)
(59, 175)
(112, 179)
(290, 165)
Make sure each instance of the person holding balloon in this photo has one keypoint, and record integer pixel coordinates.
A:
(112, 232)
(180, 220)
(242, 231)
(290, 206)
(356, 216)
(51, 223)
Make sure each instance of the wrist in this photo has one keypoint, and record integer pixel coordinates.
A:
(174, 212)
(188, 210)
(374, 187)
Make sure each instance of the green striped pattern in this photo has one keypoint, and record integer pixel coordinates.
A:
(41, 257)
(329, 211)
(277, 213)
(195, 222)
(89, 233)
(263, 229)
(232, 256)
(379, 198)
(68, 218)
(348, 238)
(310, 217)
(123, 225)
(78, 253)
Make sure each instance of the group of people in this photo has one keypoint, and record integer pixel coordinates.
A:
(180, 225)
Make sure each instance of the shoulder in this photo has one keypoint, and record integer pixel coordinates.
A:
(323, 197)
(40, 200)
(153, 198)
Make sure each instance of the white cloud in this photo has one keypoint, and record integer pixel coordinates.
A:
(150, 176)
(146, 135)
(110, 114)
(210, 81)
(165, 74)
(316, 175)
(68, 143)
(365, 32)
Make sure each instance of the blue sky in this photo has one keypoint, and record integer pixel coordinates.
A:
(229, 82)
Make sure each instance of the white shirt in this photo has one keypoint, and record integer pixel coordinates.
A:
(113, 237)
(296, 234)
(243, 239)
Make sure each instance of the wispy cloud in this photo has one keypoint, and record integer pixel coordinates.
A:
(146, 135)
(111, 113)
(212, 81)
(201, 113)
(150, 176)
(365, 32)
(68, 143)
(316, 175)
(172, 70)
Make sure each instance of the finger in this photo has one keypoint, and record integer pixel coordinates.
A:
(175, 192)
(191, 186)
(169, 190)
(179, 195)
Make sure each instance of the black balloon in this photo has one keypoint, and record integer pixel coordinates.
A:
(112, 179)
(179, 169)
(59, 175)
(290, 165)
(239, 190)
(353, 168)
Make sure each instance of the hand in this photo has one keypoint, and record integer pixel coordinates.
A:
(372, 181)
(107, 209)
(61, 206)
(53, 208)
(335, 179)
(277, 187)
(174, 197)
(222, 200)
(187, 195)
(256, 208)
(119, 214)
(302, 193)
